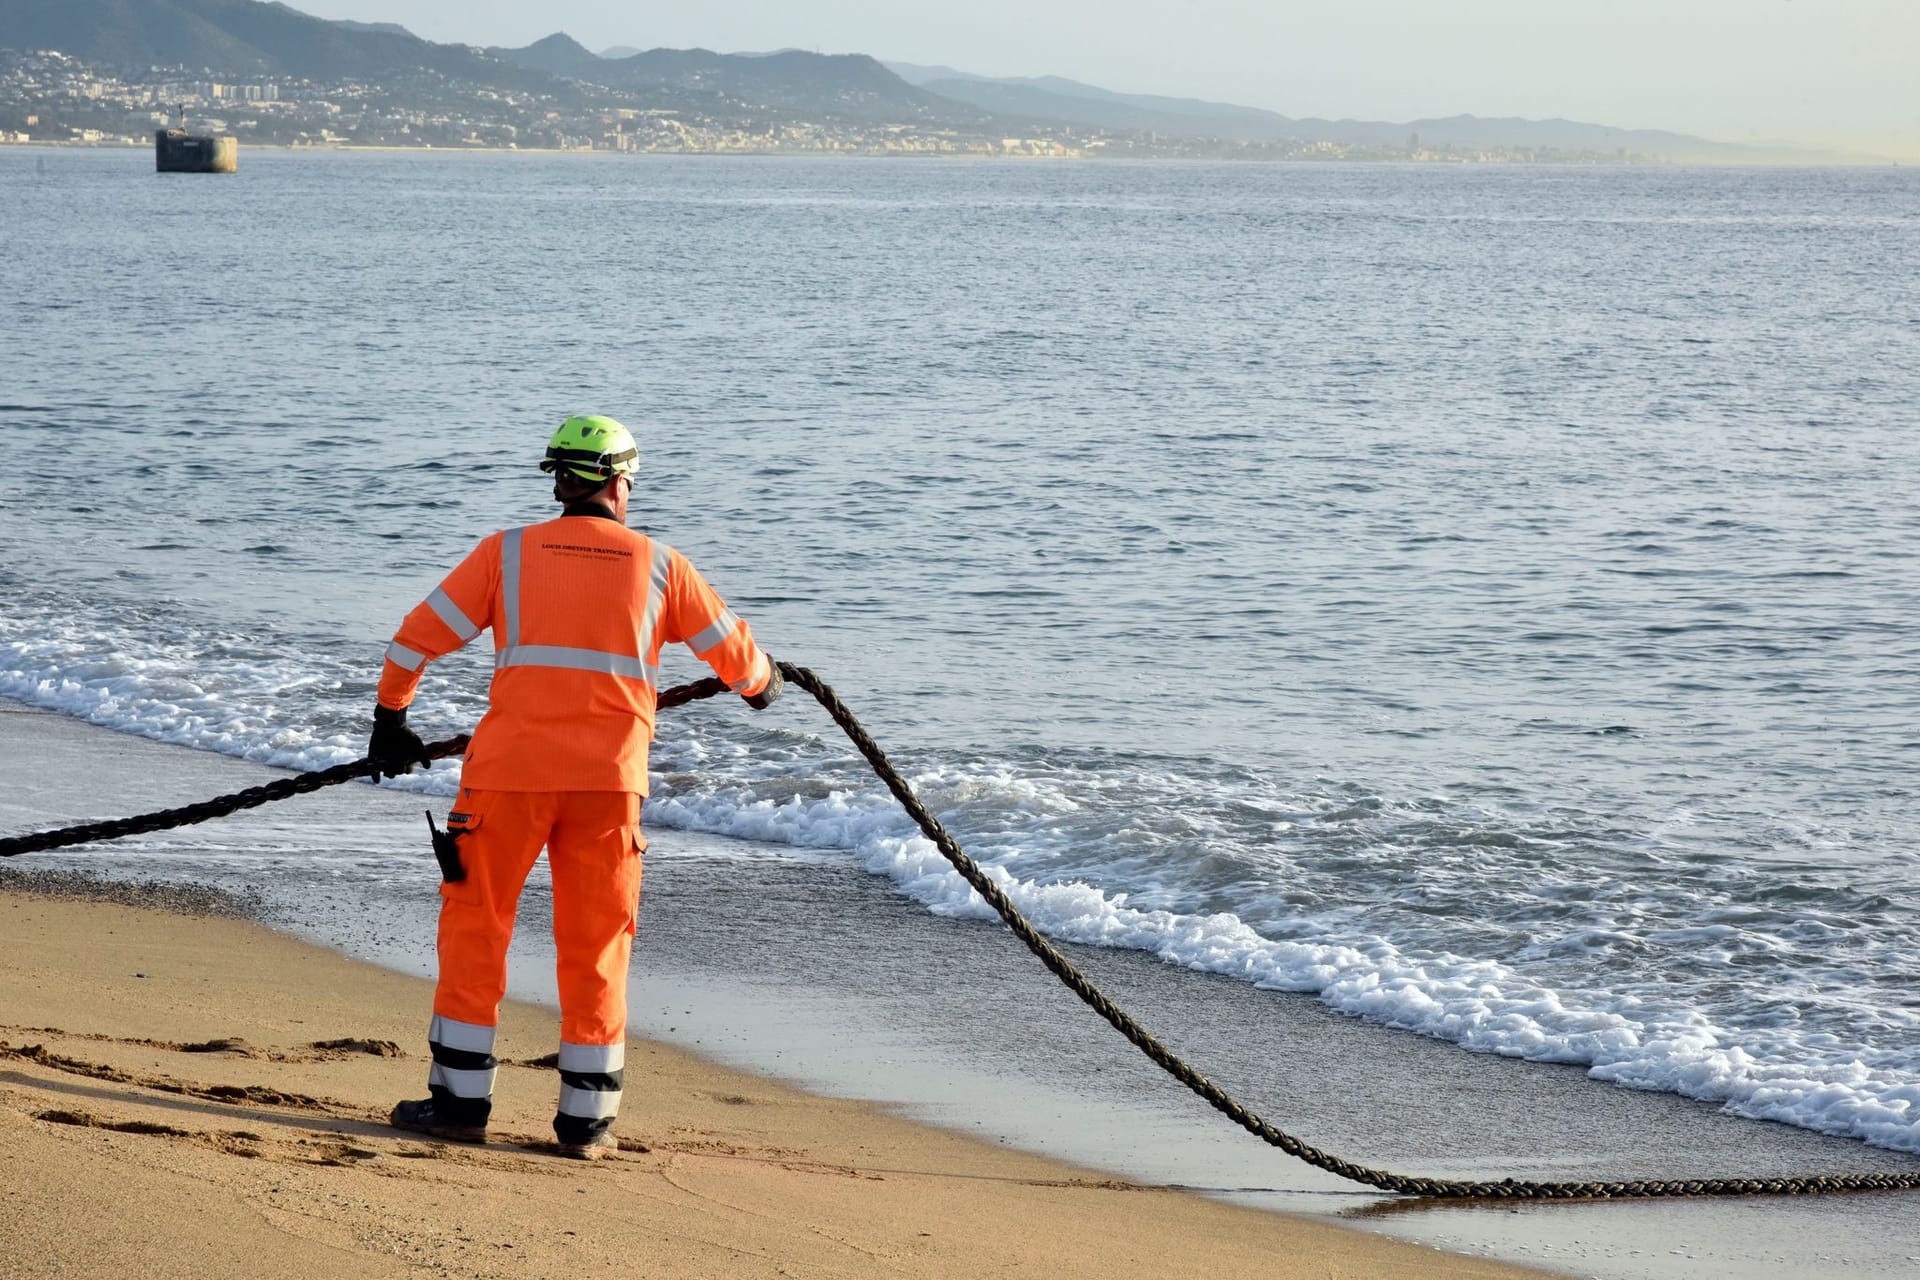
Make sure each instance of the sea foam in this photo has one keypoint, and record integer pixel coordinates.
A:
(229, 694)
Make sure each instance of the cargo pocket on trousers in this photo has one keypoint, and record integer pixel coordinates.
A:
(636, 849)
(460, 824)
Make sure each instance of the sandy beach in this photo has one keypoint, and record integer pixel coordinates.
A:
(187, 1094)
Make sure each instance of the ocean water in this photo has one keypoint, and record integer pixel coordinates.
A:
(1481, 598)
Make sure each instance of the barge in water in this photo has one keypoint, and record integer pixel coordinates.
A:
(177, 151)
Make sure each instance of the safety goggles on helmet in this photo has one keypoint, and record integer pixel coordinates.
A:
(592, 447)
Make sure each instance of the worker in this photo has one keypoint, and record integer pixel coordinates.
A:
(580, 607)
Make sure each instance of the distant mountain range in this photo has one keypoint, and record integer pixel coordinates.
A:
(845, 86)
(243, 38)
(1055, 98)
(249, 38)
(240, 38)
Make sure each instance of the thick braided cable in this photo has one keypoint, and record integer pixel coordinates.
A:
(266, 793)
(1147, 1043)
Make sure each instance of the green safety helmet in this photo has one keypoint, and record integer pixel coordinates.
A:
(591, 447)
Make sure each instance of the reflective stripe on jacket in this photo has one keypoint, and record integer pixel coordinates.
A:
(579, 607)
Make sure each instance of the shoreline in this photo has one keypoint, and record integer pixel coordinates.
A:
(390, 148)
(817, 975)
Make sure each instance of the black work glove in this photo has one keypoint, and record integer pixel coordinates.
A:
(776, 685)
(393, 749)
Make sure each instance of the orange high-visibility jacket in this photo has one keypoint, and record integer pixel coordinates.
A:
(580, 607)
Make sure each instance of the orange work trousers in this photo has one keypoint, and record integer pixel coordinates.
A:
(593, 845)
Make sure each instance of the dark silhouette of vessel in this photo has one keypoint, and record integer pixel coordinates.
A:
(177, 151)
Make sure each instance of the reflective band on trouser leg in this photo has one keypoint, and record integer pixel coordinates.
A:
(461, 1082)
(589, 1104)
(461, 1079)
(592, 1059)
(590, 1081)
(467, 1037)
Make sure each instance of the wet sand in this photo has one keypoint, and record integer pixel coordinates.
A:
(195, 1095)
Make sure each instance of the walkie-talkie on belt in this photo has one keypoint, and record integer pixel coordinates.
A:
(446, 848)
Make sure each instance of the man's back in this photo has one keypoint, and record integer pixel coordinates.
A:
(579, 608)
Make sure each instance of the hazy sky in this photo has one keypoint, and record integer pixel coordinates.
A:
(1739, 70)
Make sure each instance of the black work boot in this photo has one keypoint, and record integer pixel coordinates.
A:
(443, 1117)
(579, 1139)
(588, 1147)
